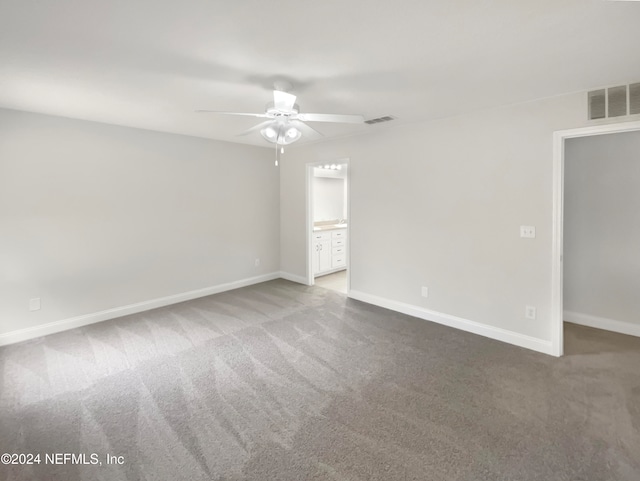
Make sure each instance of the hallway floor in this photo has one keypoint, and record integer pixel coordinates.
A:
(336, 281)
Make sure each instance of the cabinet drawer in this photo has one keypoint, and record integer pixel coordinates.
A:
(339, 234)
(338, 261)
(339, 251)
(318, 236)
(338, 242)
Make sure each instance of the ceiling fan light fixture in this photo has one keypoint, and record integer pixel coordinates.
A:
(291, 135)
(287, 137)
(269, 133)
(279, 132)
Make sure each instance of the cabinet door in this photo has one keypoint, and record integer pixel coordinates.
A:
(316, 257)
(324, 259)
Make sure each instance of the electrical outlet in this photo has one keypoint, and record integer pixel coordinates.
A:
(528, 231)
(425, 291)
(257, 262)
(530, 312)
(34, 304)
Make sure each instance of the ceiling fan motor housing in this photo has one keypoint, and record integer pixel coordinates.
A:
(271, 109)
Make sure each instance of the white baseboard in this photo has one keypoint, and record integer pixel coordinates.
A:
(602, 323)
(79, 321)
(497, 333)
(294, 278)
(331, 271)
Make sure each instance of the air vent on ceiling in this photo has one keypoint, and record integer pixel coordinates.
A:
(386, 118)
(614, 102)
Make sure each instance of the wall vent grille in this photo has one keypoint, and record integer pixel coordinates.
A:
(634, 99)
(597, 104)
(386, 118)
(614, 102)
(617, 100)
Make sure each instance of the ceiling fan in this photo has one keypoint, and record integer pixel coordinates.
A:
(285, 123)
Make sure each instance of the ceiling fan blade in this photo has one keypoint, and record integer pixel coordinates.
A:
(232, 113)
(307, 132)
(337, 118)
(256, 128)
(283, 101)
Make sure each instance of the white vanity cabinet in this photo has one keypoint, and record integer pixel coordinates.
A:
(329, 251)
(321, 252)
(338, 248)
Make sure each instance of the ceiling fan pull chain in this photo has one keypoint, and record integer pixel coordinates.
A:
(276, 154)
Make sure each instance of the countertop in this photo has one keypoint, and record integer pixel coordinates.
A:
(329, 227)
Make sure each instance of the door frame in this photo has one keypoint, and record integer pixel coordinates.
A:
(309, 217)
(559, 137)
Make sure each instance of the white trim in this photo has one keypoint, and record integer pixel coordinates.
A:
(557, 215)
(331, 271)
(309, 219)
(348, 201)
(599, 130)
(84, 320)
(308, 224)
(602, 323)
(557, 333)
(294, 278)
(497, 333)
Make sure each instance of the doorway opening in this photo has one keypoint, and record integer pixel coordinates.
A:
(557, 273)
(602, 232)
(328, 225)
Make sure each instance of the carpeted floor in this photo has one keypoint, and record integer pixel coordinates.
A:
(280, 382)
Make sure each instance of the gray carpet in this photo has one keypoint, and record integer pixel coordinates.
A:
(284, 382)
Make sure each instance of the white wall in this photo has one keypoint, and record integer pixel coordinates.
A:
(94, 216)
(329, 201)
(439, 204)
(602, 227)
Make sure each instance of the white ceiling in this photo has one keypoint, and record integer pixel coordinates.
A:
(150, 63)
